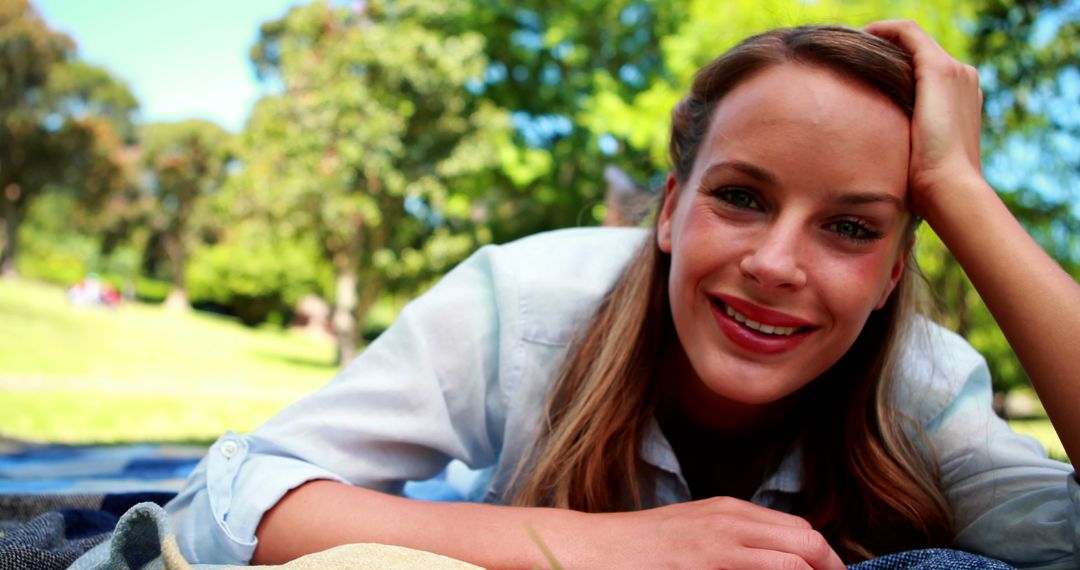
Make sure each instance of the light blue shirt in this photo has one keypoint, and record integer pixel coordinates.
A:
(464, 374)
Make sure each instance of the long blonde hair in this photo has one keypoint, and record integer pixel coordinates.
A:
(586, 455)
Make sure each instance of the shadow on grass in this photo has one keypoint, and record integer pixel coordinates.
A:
(306, 362)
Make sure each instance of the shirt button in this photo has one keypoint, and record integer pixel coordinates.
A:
(229, 448)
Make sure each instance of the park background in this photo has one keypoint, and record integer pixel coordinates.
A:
(386, 141)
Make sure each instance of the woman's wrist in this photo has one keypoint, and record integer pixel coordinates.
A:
(497, 536)
(958, 205)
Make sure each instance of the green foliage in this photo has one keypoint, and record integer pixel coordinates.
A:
(61, 122)
(150, 290)
(28, 50)
(1027, 51)
(80, 90)
(54, 251)
(374, 146)
(548, 62)
(257, 280)
(187, 159)
(641, 121)
(62, 265)
(187, 164)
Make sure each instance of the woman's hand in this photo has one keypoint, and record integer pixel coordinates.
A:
(945, 125)
(721, 532)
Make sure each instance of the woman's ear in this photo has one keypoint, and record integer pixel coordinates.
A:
(667, 209)
(894, 275)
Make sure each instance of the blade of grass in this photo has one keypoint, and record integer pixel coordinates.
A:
(548, 555)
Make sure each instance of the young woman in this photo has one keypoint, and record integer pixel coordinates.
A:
(745, 386)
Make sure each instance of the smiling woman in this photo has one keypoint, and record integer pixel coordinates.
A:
(748, 385)
(812, 239)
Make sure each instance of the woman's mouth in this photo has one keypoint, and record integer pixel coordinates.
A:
(758, 329)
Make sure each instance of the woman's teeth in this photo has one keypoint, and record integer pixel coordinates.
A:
(767, 329)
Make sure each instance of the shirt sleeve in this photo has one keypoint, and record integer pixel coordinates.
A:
(425, 392)
(1009, 500)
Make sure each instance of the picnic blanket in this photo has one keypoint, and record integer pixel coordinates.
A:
(100, 507)
(91, 507)
(59, 501)
(29, 468)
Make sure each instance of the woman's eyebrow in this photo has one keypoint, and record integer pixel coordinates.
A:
(860, 198)
(756, 172)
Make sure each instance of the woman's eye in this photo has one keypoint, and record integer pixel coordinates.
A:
(853, 230)
(738, 198)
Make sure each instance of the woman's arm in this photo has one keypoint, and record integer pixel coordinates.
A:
(701, 534)
(324, 514)
(1035, 302)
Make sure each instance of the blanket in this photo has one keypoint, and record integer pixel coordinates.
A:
(59, 501)
(27, 468)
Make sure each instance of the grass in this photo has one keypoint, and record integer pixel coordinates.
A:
(1040, 429)
(138, 372)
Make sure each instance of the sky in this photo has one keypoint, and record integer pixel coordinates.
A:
(181, 60)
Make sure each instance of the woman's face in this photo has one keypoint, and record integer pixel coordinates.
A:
(788, 232)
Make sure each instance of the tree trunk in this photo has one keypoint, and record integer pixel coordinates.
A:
(344, 320)
(12, 218)
(177, 300)
(174, 248)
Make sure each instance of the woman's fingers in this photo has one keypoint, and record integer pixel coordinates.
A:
(946, 123)
(802, 543)
(908, 35)
(926, 53)
(732, 533)
(753, 513)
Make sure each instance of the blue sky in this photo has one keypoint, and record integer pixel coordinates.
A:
(182, 60)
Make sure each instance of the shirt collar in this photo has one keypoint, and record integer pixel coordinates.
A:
(656, 450)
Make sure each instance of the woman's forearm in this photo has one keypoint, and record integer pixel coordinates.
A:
(712, 533)
(1034, 301)
(323, 514)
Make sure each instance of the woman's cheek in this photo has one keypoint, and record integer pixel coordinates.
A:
(855, 284)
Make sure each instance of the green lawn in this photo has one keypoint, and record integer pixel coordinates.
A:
(1041, 430)
(138, 372)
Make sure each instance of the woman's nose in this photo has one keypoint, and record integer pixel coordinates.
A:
(775, 260)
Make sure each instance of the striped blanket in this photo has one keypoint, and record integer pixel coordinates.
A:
(57, 501)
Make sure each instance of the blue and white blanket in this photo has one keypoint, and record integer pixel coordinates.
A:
(57, 501)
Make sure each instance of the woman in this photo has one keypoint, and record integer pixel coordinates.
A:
(745, 386)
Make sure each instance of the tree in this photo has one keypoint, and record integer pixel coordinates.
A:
(61, 122)
(640, 121)
(548, 62)
(187, 162)
(374, 144)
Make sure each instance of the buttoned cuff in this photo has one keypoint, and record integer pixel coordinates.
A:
(242, 483)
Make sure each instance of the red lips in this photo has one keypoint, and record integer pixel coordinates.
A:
(755, 341)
